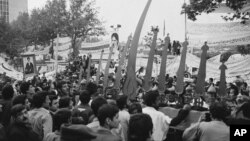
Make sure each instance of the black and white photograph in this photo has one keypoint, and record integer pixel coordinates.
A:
(124, 70)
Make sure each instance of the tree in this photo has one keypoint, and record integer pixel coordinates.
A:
(82, 21)
(22, 27)
(197, 7)
(8, 39)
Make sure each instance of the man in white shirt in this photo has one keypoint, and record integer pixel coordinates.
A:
(160, 121)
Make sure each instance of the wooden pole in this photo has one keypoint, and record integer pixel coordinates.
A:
(147, 77)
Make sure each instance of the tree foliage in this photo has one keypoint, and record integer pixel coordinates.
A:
(197, 7)
(42, 25)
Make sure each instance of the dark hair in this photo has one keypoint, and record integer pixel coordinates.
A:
(140, 127)
(61, 116)
(218, 110)
(135, 106)
(39, 98)
(97, 103)
(7, 92)
(116, 36)
(122, 101)
(106, 111)
(24, 87)
(92, 88)
(51, 98)
(84, 97)
(60, 84)
(20, 99)
(64, 102)
(150, 97)
(211, 79)
(16, 109)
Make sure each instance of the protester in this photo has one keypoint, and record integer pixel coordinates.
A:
(140, 128)
(95, 105)
(123, 113)
(21, 99)
(62, 116)
(6, 104)
(20, 128)
(77, 133)
(108, 119)
(40, 118)
(215, 130)
(160, 121)
(84, 109)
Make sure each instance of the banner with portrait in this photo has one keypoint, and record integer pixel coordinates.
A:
(29, 65)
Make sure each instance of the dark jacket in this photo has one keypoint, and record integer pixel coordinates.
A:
(21, 132)
(106, 135)
(5, 112)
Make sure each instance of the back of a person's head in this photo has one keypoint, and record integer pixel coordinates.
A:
(218, 110)
(24, 87)
(7, 92)
(16, 109)
(20, 99)
(91, 87)
(74, 132)
(246, 110)
(140, 127)
(39, 98)
(122, 101)
(64, 102)
(97, 103)
(84, 97)
(150, 97)
(61, 116)
(135, 108)
(106, 111)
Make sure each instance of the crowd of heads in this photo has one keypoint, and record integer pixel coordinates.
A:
(73, 101)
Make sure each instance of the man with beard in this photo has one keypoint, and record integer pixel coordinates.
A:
(20, 129)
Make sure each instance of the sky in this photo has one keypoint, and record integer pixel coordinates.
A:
(127, 14)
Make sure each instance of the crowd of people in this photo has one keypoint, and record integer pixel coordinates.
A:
(71, 108)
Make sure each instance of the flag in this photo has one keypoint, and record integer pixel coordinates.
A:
(130, 85)
(150, 63)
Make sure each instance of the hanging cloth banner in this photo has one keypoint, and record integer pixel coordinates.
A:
(147, 77)
(130, 85)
